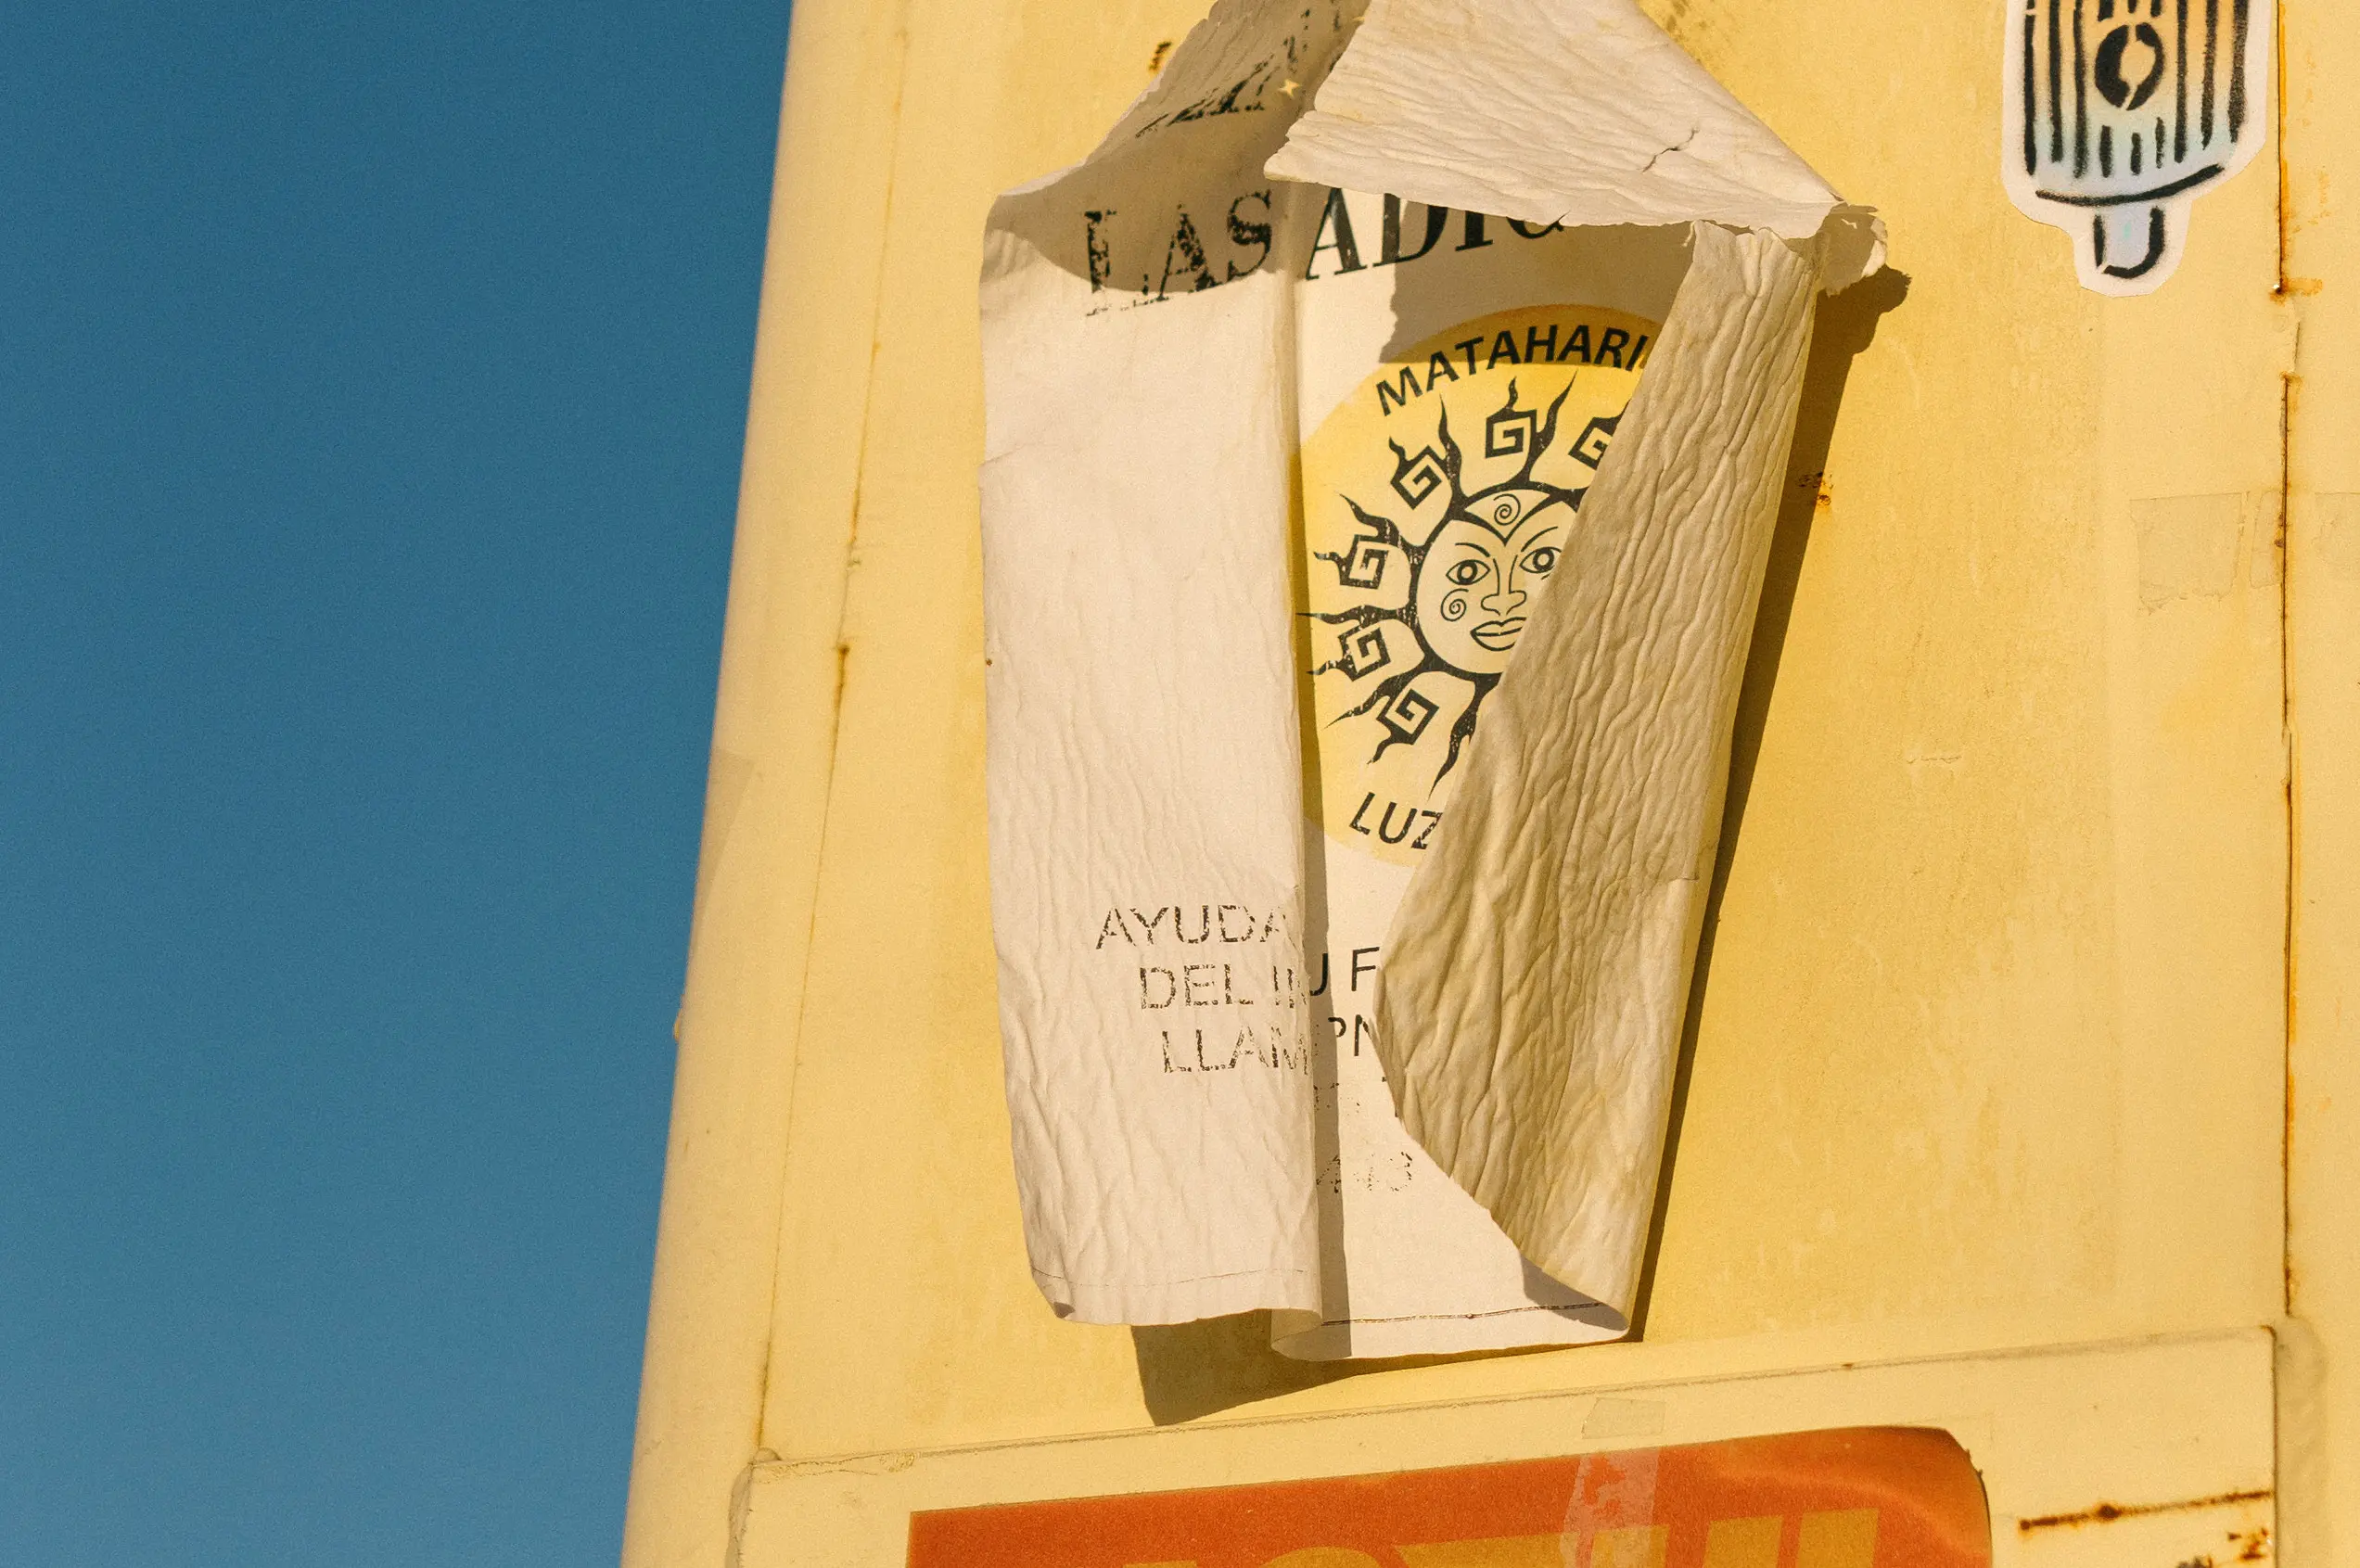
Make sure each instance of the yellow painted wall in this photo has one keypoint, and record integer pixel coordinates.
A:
(1991, 1045)
(2320, 1351)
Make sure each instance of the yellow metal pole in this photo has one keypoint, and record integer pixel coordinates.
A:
(708, 1332)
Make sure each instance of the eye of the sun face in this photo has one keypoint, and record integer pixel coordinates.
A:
(1468, 572)
(1541, 562)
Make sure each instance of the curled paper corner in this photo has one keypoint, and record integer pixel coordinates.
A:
(1579, 113)
(1854, 247)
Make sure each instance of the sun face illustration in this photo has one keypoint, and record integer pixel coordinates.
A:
(1472, 580)
(1439, 501)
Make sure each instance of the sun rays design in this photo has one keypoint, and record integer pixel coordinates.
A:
(1475, 562)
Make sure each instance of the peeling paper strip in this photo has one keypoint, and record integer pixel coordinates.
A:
(1182, 1117)
(1530, 1014)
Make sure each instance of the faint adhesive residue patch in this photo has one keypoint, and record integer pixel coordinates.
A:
(1624, 1417)
(2187, 546)
(2340, 534)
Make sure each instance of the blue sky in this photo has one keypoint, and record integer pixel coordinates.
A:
(372, 381)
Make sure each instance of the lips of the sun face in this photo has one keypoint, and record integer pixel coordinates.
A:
(1497, 635)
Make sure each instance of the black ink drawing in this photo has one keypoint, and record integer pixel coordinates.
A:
(2120, 112)
(1472, 578)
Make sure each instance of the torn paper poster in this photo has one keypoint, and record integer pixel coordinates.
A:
(1376, 504)
(2118, 113)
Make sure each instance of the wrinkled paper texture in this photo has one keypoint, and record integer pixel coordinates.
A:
(1316, 995)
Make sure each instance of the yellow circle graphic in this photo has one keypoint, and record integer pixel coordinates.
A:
(1438, 501)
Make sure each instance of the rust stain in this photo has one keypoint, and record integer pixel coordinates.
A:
(2286, 186)
(2106, 1513)
(2253, 1546)
(2290, 393)
(2287, 284)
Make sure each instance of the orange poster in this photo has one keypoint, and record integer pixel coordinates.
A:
(1864, 1497)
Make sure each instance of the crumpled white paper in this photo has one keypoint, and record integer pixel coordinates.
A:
(1316, 995)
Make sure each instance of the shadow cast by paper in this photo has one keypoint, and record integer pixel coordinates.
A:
(1846, 326)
